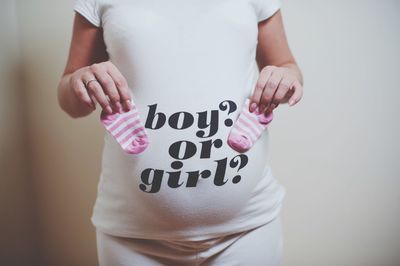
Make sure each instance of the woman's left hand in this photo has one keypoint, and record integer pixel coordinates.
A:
(275, 85)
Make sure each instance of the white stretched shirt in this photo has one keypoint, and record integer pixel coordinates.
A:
(190, 64)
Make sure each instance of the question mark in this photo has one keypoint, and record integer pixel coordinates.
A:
(243, 159)
(232, 108)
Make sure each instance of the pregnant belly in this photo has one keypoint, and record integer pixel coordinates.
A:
(184, 178)
(188, 175)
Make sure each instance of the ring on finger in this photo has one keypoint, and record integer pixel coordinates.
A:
(88, 82)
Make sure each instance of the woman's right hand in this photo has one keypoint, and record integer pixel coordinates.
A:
(109, 87)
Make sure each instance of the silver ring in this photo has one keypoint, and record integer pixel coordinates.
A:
(87, 83)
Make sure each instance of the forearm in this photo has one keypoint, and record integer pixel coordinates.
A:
(69, 102)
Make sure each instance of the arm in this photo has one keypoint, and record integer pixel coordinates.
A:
(86, 61)
(280, 78)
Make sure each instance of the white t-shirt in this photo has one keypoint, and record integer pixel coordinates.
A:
(190, 64)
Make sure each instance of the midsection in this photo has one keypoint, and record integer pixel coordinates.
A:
(188, 174)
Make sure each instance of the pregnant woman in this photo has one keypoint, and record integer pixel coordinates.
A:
(187, 90)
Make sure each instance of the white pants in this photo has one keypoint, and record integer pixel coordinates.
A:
(261, 246)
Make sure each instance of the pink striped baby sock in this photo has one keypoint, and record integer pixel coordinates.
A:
(126, 128)
(248, 128)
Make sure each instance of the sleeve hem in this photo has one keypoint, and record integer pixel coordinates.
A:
(85, 14)
(265, 14)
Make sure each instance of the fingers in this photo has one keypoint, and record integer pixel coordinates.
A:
(268, 82)
(121, 86)
(288, 95)
(107, 86)
(284, 87)
(271, 107)
(95, 88)
(297, 94)
(275, 85)
(78, 87)
(270, 89)
(260, 85)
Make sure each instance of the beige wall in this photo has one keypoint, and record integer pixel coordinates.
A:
(335, 151)
(17, 223)
(65, 152)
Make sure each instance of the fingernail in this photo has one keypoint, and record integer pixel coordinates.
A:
(253, 106)
(291, 102)
(109, 110)
(128, 104)
(118, 106)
